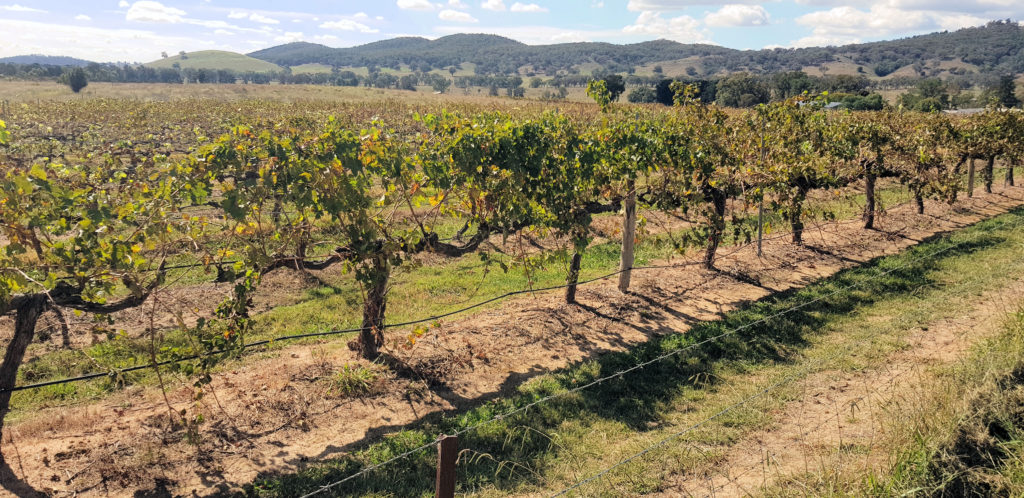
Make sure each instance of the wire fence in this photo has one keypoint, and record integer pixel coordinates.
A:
(817, 365)
(115, 372)
(639, 366)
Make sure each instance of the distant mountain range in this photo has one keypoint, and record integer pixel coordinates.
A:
(997, 46)
(45, 60)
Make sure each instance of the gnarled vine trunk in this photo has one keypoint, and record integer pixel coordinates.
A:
(717, 223)
(1009, 173)
(371, 336)
(26, 315)
(796, 208)
(574, 277)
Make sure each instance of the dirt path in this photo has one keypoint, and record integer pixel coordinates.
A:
(836, 423)
(279, 411)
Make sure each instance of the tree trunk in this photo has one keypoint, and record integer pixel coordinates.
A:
(717, 225)
(920, 202)
(869, 196)
(26, 316)
(574, 276)
(371, 337)
(970, 178)
(990, 171)
(628, 237)
(1009, 173)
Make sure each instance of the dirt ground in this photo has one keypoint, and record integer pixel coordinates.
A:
(836, 423)
(280, 410)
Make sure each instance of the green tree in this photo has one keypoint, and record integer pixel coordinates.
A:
(598, 90)
(615, 85)
(643, 95)
(1004, 91)
(742, 90)
(77, 80)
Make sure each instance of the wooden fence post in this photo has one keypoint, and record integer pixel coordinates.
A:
(760, 225)
(447, 453)
(628, 237)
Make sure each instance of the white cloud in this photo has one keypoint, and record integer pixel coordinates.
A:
(82, 17)
(155, 12)
(262, 19)
(683, 29)
(415, 5)
(360, 15)
(223, 32)
(92, 43)
(123, 4)
(669, 5)
(21, 8)
(288, 37)
(254, 17)
(495, 5)
(846, 24)
(738, 15)
(457, 4)
(455, 16)
(527, 7)
(597, 5)
(348, 25)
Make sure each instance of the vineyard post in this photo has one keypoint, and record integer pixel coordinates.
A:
(869, 196)
(628, 237)
(760, 225)
(447, 454)
(989, 173)
(970, 178)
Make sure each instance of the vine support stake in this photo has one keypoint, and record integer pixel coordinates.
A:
(760, 225)
(628, 237)
(970, 178)
(447, 454)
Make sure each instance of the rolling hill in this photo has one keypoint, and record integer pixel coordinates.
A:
(216, 59)
(995, 47)
(45, 60)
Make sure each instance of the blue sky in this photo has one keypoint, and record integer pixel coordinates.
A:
(139, 30)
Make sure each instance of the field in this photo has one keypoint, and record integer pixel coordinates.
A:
(277, 290)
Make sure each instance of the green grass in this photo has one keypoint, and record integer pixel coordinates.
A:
(570, 437)
(216, 59)
(313, 68)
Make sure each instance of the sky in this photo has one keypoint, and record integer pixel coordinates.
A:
(140, 30)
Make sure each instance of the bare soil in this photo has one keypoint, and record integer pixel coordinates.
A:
(281, 410)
